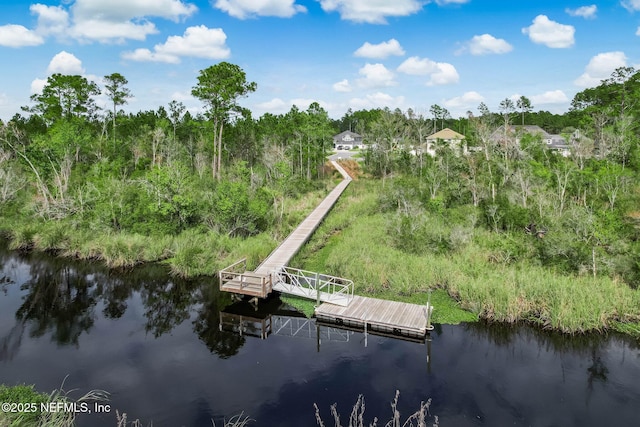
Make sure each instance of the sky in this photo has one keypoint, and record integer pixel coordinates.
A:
(357, 54)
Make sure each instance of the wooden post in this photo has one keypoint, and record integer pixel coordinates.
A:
(317, 290)
(429, 310)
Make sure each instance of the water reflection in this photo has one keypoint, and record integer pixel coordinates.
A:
(178, 352)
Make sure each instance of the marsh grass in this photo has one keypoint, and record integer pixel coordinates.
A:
(356, 417)
(468, 284)
(27, 394)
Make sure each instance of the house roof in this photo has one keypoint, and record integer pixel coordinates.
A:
(345, 133)
(446, 133)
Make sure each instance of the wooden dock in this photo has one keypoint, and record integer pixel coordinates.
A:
(389, 317)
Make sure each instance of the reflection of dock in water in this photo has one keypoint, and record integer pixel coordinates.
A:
(274, 318)
(271, 318)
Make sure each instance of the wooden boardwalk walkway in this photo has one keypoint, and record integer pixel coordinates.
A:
(292, 244)
(346, 310)
(259, 282)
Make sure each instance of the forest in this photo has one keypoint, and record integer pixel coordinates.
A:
(197, 191)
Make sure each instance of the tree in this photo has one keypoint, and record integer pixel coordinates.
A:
(176, 111)
(219, 87)
(65, 97)
(524, 105)
(117, 93)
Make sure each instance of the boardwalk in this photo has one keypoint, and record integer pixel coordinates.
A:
(287, 249)
(259, 282)
(341, 307)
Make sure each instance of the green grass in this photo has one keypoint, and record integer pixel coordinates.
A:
(354, 242)
(33, 416)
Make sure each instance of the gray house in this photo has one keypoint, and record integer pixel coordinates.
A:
(347, 140)
(554, 142)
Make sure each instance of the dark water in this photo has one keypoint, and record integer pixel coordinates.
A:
(155, 344)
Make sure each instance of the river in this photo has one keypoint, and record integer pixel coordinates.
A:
(168, 353)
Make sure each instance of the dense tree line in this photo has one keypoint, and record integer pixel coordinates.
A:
(166, 170)
(158, 171)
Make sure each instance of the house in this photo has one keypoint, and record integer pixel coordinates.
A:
(347, 140)
(554, 142)
(453, 139)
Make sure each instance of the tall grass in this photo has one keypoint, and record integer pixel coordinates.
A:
(28, 395)
(356, 417)
(361, 248)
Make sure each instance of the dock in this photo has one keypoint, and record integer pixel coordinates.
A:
(371, 314)
(340, 306)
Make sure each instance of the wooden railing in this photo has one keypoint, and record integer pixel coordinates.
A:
(237, 274)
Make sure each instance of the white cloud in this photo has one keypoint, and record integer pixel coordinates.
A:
(65, 63)
(600, 67)
(631, 5)
(466, 101)
(550, 97)
(243, 9)
(106, 31)
(440, 73)
(342, 86)
(372, 12)
(375, 76)
(118, 20)
(199, 42)
(124, 10)
(52, 20)
(487, 44)
(380, 51)
(37, 85)
(586, 12)
(550, 33)
(275, 105)
(18, 36)
(377, 100)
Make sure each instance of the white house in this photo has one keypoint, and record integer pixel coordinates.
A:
(347, 140)
(446, 136)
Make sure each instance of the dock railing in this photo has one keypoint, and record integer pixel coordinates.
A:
(314, 285)
(237, 275)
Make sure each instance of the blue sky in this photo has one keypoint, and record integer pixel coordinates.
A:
(341, 53)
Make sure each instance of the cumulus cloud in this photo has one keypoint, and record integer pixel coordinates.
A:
(65, 63)
(18, 36)
(199, 42)
(37, 85)
(586, 12)
(342, 86)
(631, 5)
(550, 33)
(275, 105)
(381, 50)
(440, 73)
(600, 67)
(465, 101)
(372, 12)
(377, 100)
(52, 20)
(550, 97)
(486, 44)
(243, 9)
(375, 76)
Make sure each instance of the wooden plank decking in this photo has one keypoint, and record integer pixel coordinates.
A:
(392, 317)
(298, 237)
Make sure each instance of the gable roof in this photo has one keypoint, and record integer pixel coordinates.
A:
(446, 133)
(341, 135)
